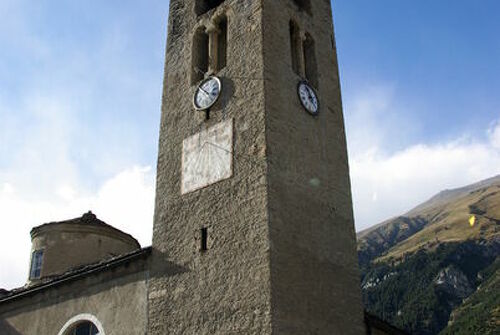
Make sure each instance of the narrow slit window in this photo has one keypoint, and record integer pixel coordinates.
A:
(295, 47)
(311, 68)
(204, 239)
(200, 56)
(304, 5)
(203, 6)
(222, 44)
(36, 264)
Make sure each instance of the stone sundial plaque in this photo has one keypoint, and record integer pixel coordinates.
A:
(207, 157)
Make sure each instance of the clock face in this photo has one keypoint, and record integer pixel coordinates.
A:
(308, 98)
(207, 93)
(207, 157)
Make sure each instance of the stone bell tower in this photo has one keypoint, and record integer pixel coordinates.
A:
(253, 230)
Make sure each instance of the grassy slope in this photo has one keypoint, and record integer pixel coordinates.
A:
(444, 218)
(403, 256)
(450, 222)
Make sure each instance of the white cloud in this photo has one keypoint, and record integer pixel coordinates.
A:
(42, 180)
(374, 119)
(494, 135)
(125, 201)
(388, 182)
(389, 185)
(72, 131)
(37, 154)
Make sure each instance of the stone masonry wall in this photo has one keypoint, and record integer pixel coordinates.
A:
(314, 268)
(282, 257)
(225, 290)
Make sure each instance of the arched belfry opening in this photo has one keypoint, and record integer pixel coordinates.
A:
(203, 6)
(303, 54)
(310, 65)
(199, 55)
(295, 47)
(221, 56)
(209, 49)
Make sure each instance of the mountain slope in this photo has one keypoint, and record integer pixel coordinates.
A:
(480, 312)
(443, 218)
(420, 267)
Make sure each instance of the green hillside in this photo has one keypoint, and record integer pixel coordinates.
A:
(422, 267)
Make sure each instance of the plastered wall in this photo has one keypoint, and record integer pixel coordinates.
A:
(117, 298)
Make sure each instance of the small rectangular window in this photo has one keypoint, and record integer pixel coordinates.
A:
(204, 239)
(36, 264)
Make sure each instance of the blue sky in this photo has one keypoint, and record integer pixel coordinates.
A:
(80, 93)
(440, 54)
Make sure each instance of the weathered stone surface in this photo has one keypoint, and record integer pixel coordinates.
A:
(225, 290)
(314, 271)
(282, 256)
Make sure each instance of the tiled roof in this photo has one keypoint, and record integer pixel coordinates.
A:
(74, 274)
(88, 218)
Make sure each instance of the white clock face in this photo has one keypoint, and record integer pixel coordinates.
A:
(207, 93)
(308, 98)
(207, 157)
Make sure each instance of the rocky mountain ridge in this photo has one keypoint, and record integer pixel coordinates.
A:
(420, 269)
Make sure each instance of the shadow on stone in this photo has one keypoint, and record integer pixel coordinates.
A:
(7, 329)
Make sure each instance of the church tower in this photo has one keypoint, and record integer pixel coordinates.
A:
(253, 230)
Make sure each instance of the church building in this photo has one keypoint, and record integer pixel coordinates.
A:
(253, 225)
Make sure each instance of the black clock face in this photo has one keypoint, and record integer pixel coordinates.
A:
(207, 93)
(308, 98)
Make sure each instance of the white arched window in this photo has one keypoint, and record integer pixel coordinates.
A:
(83, 324)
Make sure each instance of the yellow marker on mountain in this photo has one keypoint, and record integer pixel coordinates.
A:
(472, 220)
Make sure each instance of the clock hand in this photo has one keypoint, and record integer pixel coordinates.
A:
(312, 98)
(206, 93)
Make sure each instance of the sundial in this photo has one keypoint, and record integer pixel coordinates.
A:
(207, 157)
